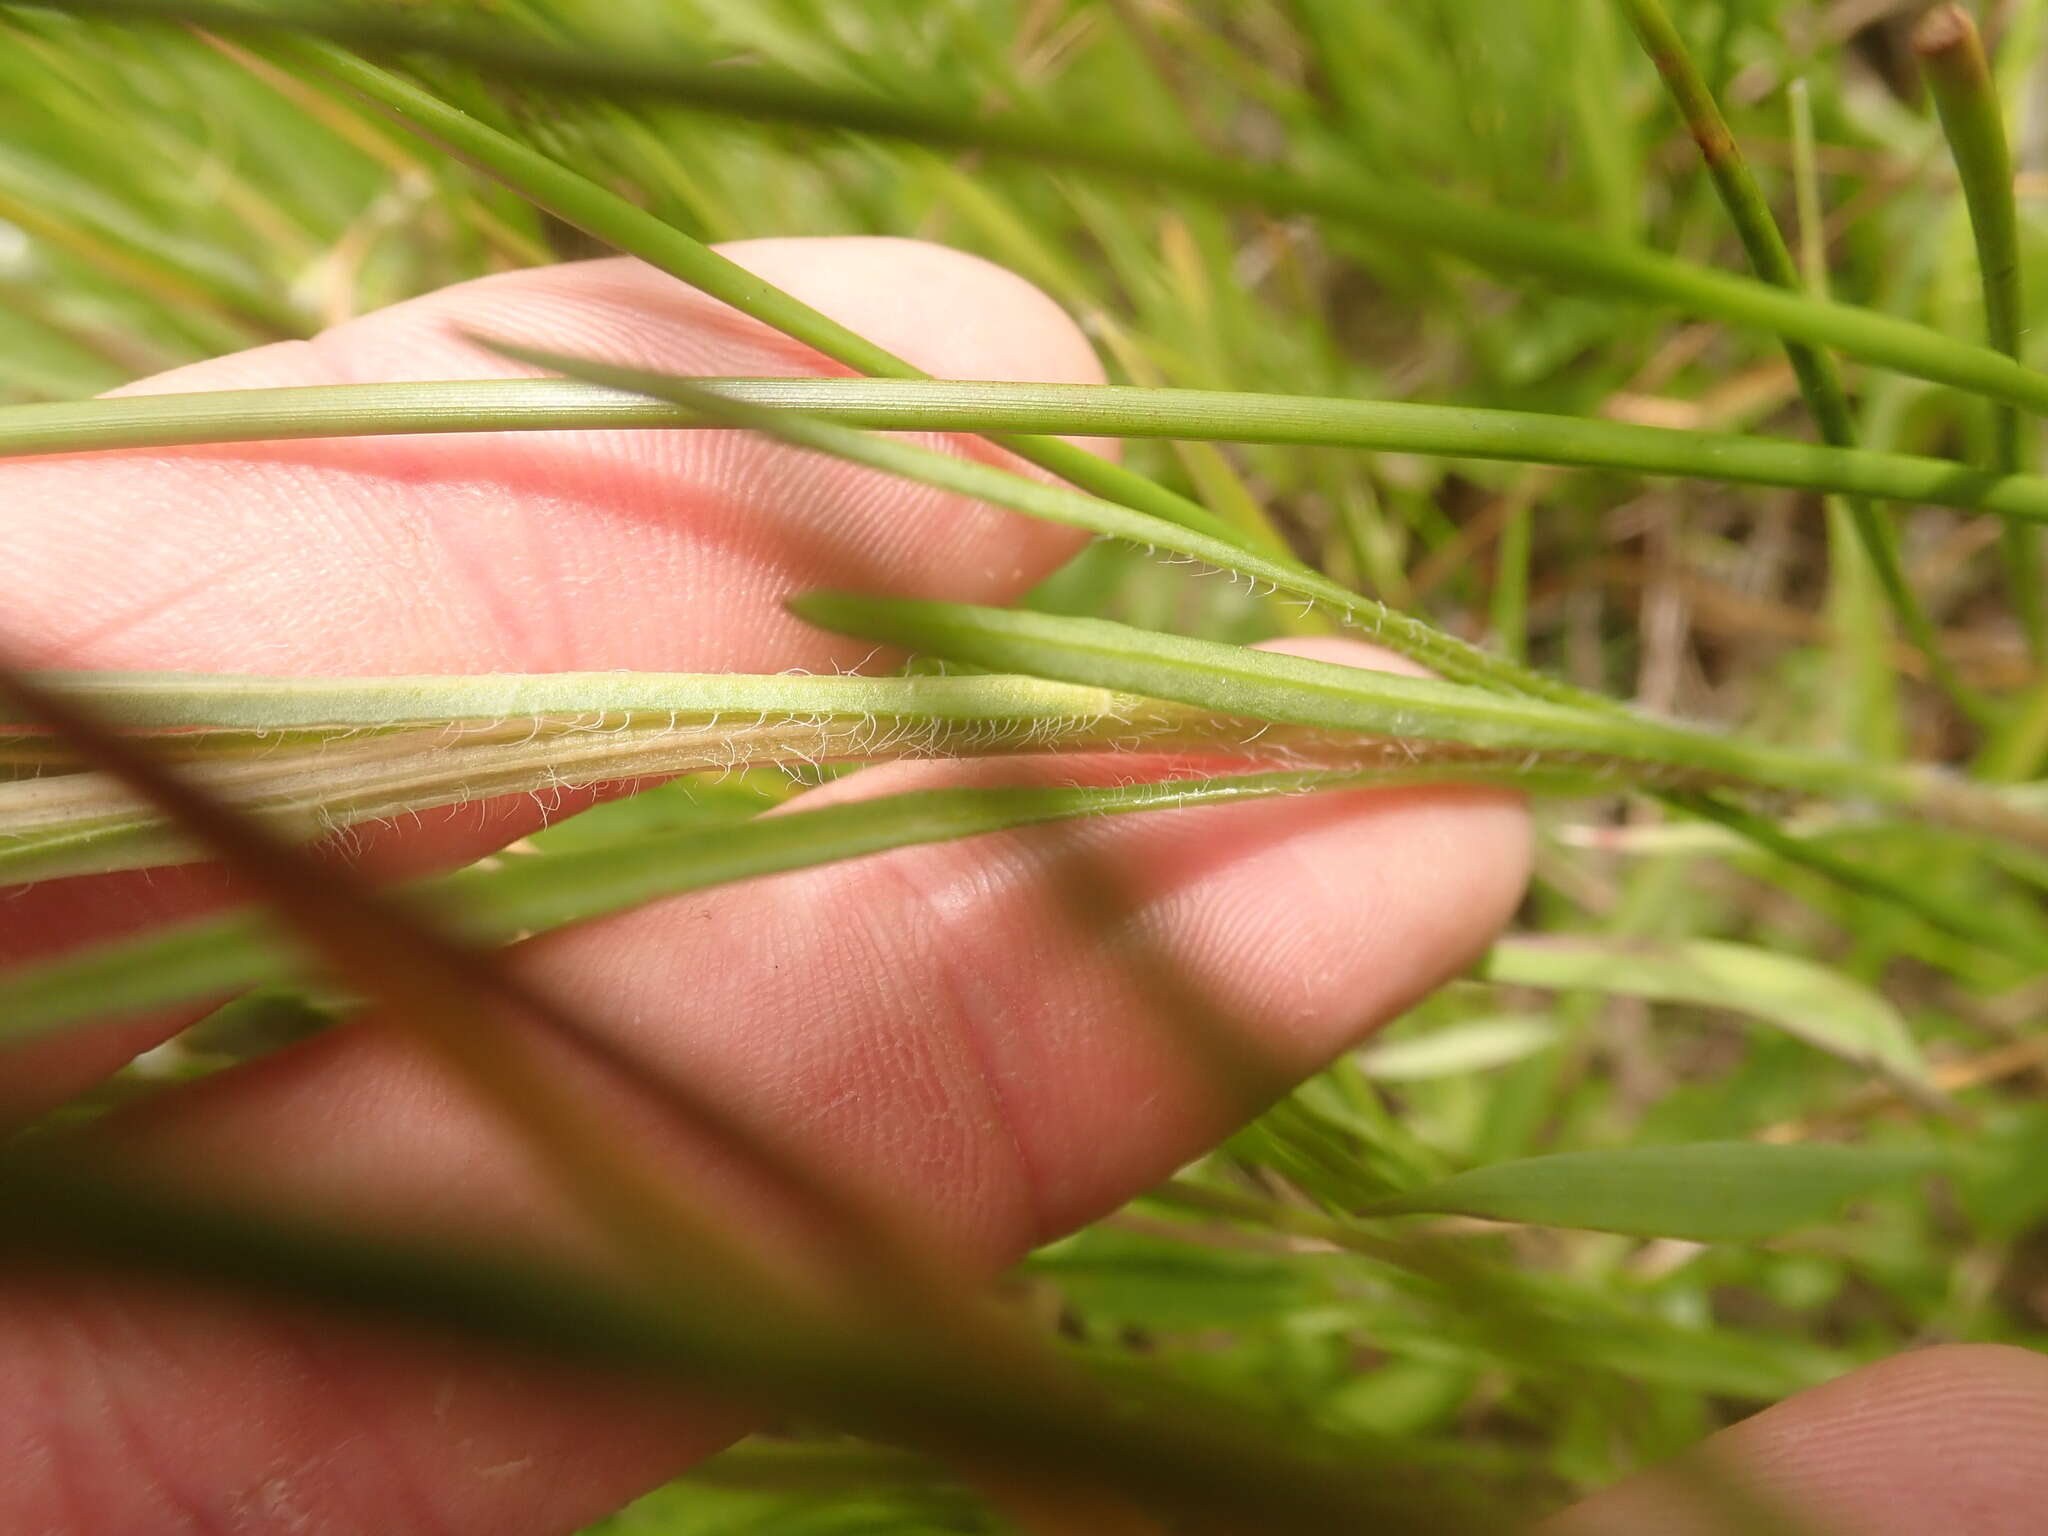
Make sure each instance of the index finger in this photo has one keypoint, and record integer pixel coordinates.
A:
(510, 552)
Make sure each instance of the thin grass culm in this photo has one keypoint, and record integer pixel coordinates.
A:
(1227, 416)
(1951, 55)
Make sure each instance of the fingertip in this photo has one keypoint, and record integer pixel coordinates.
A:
(1476, 843)
(1950, 1438)
(1345, 651)
(951, 313)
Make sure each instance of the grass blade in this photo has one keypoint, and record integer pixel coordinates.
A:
(1703, 1192)
(1806, 1000)
(1411, 636)
(1458, 1050)
(1974, 921)
(1958, 73)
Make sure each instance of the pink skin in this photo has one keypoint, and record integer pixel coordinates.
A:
(934, 1028)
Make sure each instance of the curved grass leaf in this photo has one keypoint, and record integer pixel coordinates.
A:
(1806, 1000)
(1474, 1045)
(1704, 1192)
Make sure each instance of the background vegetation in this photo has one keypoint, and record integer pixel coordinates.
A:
(166, 196)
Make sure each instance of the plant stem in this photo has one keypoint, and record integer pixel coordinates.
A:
(187, 701)
(1820, 382)
(1958, 74)
(310, 761)
(1106, 410)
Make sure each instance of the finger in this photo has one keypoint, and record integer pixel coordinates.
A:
(944, 1032)
(509, 552)
(1953, 1439)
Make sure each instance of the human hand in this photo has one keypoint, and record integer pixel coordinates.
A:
(930, 1026)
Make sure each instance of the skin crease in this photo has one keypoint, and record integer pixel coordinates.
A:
(935, 1028)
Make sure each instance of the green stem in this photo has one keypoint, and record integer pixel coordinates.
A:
(1508, 612)
(1107, 410)
(310, 760)
(626, 227)
(248, 702)
(1958, 74)
(1820, 382)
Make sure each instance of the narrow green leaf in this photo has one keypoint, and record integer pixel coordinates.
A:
(1706, 1192)
(1806, 1000)
(1475, 1045)
(1965, 90)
